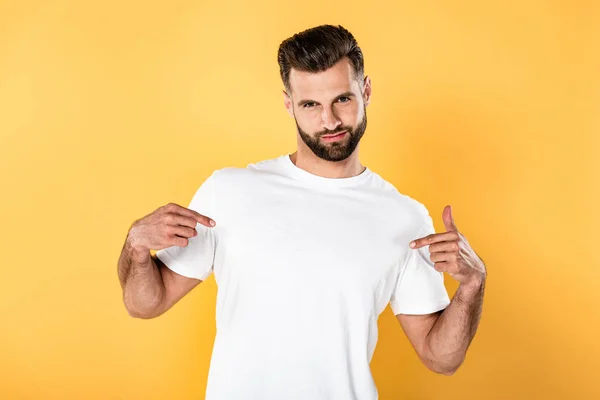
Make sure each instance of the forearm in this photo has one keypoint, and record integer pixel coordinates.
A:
(141, 281)
(452, 333)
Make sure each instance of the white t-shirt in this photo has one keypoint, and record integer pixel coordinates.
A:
(304, 265)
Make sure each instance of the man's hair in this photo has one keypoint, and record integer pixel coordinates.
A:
(317, 49)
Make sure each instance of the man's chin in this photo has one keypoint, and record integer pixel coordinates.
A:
(338, 154)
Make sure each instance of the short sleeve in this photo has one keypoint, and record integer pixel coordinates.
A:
(196, 259)
(420, 288)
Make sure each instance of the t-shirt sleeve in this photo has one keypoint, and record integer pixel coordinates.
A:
(420, 288)
(196, 259)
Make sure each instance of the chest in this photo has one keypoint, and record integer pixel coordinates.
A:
(338, 242)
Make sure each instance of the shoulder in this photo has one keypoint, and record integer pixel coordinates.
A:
(402, 199)
(405, 206)
(231, 175)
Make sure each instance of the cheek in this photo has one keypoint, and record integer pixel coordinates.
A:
(309, 119)
(350, 114)
(308, 122)
(348, 106)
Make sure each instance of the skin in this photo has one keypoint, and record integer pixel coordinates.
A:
(149, 287)
(327, 113)
(440, 339)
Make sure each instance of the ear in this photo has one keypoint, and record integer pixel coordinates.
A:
(367, 90)
(287, 102)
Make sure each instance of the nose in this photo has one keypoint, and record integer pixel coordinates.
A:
(330, 120)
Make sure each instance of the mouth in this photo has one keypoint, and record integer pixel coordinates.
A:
(334, 137)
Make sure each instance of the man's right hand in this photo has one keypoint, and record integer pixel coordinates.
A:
(169, 225)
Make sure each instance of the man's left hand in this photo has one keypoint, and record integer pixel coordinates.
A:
(452, 253)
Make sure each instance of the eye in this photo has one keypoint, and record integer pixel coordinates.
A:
(344, 97)
(306, 105)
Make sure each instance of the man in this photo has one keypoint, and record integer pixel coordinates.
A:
(308, 249)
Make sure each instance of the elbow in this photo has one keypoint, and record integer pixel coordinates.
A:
(141, 310)
(446, 369)
(448, 372)
(140, 315)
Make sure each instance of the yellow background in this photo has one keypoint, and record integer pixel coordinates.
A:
(111, 109)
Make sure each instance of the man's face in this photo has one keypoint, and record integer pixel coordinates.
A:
(327, 103)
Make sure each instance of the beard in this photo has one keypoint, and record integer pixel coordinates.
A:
(335, 151)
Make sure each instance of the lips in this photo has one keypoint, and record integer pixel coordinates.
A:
(335, 134)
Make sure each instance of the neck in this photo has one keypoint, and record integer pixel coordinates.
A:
(309, 162)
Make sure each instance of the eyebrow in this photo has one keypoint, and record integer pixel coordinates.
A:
(345, 94)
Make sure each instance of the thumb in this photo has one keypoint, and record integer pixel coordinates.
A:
(448, 219)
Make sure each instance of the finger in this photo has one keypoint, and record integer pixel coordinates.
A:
(179, 241)
(202, 219)
(449, 219)
(448, 246)
(183, 231)
(173, 239)
(441, 266)
(433, 238)
(178, 219)
(444, 257)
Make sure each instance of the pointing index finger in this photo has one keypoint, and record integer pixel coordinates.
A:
(204, 220)
(432, 238)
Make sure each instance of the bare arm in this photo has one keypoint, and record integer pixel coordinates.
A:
(453, 331)
(441, 339)
(149, 287)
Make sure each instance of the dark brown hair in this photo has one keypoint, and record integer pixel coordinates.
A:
(317, 49)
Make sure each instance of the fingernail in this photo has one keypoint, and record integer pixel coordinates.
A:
(412, 244)
(212, 222)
